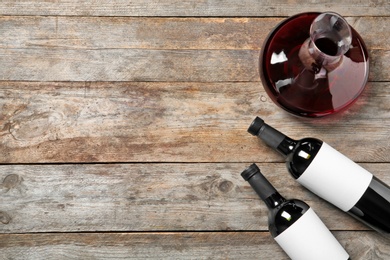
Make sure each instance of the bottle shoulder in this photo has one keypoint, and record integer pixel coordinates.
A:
(282, 217)
(302, 155)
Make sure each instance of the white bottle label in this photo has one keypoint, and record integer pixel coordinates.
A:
(308, 239)
(336, 178)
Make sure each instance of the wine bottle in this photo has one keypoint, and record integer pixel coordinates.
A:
(293, 224)
(332, 176)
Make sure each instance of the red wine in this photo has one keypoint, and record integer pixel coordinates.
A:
(293, 224)
(332, 176)
(310, 91)
(327, 46)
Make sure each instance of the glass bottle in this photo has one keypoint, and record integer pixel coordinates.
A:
(293, 224)
(314, 64)
(332, 176)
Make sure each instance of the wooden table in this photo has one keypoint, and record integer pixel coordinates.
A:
(123, 128)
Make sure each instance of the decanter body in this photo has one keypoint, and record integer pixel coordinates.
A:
(314, 64)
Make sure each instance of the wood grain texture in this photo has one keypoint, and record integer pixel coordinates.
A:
(137, 33)
(151, 49)
(149, 197)
(191, 8)
(171, 122)
(131, 65)
(188, 245)
(146, 65)
(64, 32)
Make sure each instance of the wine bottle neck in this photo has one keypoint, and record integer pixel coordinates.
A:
(286, 146)
(274, 201)
(272, 137)
(262, 186)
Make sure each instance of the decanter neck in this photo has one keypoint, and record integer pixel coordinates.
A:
(330, 38)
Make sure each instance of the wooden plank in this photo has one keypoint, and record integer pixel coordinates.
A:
(121, 49)
(149, 197)
(137, 33)
(188, 245)
(171, 122)
(190, 8)
(87, 33)
(145, 65)
(131, 65)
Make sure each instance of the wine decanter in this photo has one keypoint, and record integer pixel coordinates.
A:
(314, 64)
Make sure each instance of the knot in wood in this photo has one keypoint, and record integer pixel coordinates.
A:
(4, 217)
(225, 186)
(11, 181)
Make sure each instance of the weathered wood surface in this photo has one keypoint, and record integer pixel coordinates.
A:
(123, 128)
(191, 8)
(188, 245)
(171, 122)
(89, 33)
(121, 49)
(149, 197)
